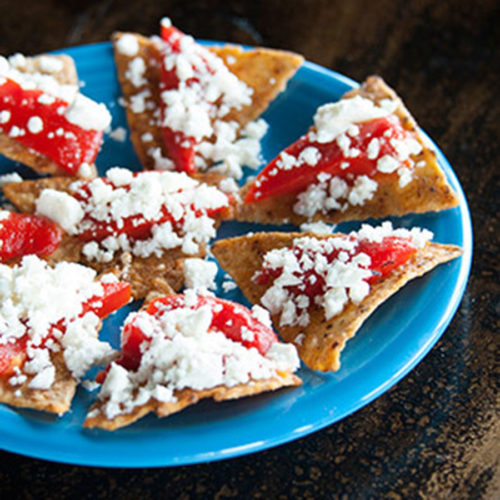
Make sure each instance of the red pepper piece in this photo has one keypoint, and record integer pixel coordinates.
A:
(181, 148)
(391, 253)
(68, 145)
(22, 234)
(12, 355)
(116, 295)
(298, 178)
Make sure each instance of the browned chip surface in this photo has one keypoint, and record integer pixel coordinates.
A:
(265, 71)
(241, 257)
(56, 399)
(17, 151)
(143, 274)
(428, 191)
(188, 397)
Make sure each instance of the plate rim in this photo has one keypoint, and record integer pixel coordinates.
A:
(462, 275)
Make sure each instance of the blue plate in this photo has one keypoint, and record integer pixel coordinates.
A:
(394, 339)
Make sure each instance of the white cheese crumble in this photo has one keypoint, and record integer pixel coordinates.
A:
(135, 72)
(8, 178)
(332, 120)
(50, 64)
(119, 134)
(26, 311)
(127, 45)
(81, 110)
(35, 124)
(183, 351)
(60, 207)
(343, 277)
(199, 274)
(334, 193)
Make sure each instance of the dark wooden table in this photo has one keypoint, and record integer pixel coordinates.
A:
(436, 434)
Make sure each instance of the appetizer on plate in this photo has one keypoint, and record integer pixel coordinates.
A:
(45, 122)
(50, 318)
(190, 107)
(320, 289)
(139, 225)
(183, 348)
(364, 157)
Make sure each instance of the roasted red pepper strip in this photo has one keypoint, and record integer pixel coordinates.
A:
(68, 145)
(387, 255)
(391, 253)
(116, 294)
(12, 355)
(179, 146)
(298, 178)
(22, 234)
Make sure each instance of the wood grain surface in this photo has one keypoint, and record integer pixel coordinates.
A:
(437, 433)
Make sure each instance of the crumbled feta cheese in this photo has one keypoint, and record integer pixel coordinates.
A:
(24, 311)
(4, 116)
(317, 227)
(135, 72)
(344, 275)
(332, 120)
(199, 273)
(8, 178)
(35, 125)
(199, 107)
(119, 134)
(127, 45)
(88, 114)
(60, 207)
(50, 64)
(144, 197)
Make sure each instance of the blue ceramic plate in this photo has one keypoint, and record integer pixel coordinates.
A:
(388, 346)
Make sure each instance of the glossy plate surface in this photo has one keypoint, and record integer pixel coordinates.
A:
(389, 345)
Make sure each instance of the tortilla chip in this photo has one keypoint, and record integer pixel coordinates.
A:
(56, 399)
(324, 339)
(188, 397)
(143, 274)
(265, 71)
(428, 190)
(19, 152)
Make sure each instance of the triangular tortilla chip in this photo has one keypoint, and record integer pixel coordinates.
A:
(323, 339)
(188, 397)
(56, 399)
(428, 190)
(266, 71)
(19, 152)
(143, 274)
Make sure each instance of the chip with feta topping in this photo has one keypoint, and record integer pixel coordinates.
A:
(321, 288)
(183, 348)
(198, 106)
(364, 157)
(49, 323)
(45, 122)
